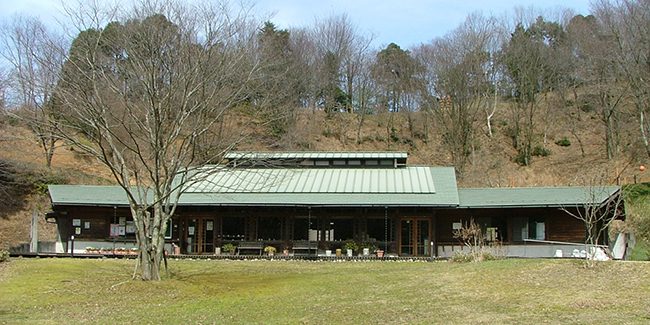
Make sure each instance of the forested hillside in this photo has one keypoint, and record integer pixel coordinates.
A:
(137, 94)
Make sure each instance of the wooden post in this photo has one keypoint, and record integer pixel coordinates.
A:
(33, 243)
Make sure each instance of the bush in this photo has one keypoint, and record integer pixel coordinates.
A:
(351, 244)
(520, 159)
(228, 247)
(641, 252)
(475, 256)
(4, 255)
(540, 151)
(563, 142)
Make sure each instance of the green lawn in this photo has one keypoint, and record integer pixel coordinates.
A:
(515, 291)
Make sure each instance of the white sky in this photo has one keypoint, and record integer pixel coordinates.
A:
(404, 22)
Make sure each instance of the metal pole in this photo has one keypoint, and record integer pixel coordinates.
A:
(72, 246)
(385, 230)
(432, 251)
(308, 231)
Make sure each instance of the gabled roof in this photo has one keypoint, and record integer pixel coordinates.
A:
(408, 180)
(409, 186)
(534, 196)
(87, 195)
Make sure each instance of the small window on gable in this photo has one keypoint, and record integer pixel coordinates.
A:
(338, 163)
(386, 162)
(322, 163)
(354, 162)
(372, 162)
(307, 163)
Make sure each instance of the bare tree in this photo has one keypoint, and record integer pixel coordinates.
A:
(594, 52)
(600, 207)
(626, 23)
(365, 92)
(34, 54)
(457, 72)
(339, 48)
(153, 91)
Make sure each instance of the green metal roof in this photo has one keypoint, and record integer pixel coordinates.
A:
(318, 155)
(410, 186)
(314, 180)
(90, 195)
(533, 196)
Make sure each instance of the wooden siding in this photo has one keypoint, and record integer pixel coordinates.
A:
(559, 225)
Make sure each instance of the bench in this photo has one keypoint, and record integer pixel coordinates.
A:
(305, 245)
(250, 245)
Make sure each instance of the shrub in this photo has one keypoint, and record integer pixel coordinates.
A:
(420, 135)
(641, 252)
(474, 256)
(563, 142)
(520, 159)
(4, 255)
(393, 135)
(540, 151)
(461, 257)
(351, 244)
(228, 247)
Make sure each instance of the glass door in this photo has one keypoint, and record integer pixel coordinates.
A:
(406, 247)
(192, 236)
(207, 235)
(199, 235)
(415, 237)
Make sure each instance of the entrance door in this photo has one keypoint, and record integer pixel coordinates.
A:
(199, 235)
(415, 237)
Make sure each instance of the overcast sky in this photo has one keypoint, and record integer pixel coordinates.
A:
(404, 22)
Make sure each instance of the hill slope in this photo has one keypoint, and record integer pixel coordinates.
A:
(491, 163)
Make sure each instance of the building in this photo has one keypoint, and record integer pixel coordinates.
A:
(287, 199)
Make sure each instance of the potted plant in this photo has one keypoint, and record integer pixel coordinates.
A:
(229, 248)
(380, 252)
(269, 250)
(285, 249)
(351, 246)
(367, 247)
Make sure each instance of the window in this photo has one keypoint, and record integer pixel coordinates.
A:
(168, 229)
(343, 228)
(354, 162)
(377, 228)
(269, 228)
(528, 228)
(300, 228)
(233, 228)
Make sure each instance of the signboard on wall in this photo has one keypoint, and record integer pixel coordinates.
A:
(130, 227)
(115, 229)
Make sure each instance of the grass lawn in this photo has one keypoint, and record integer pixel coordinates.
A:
(515, 291)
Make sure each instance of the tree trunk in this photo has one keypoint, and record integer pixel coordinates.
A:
(149, 246)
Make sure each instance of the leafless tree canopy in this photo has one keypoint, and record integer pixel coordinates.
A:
(153, 93)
